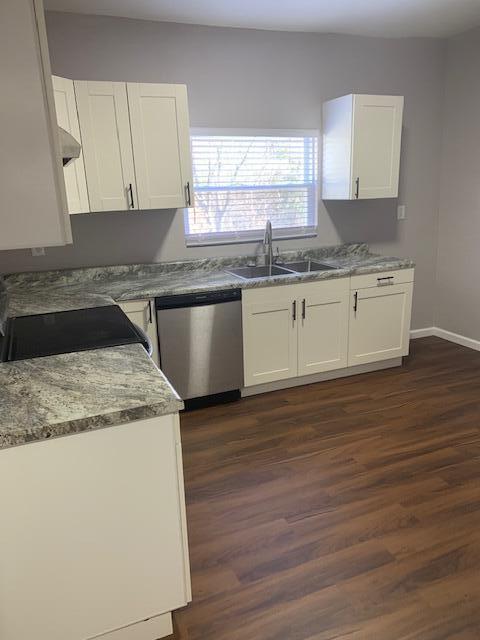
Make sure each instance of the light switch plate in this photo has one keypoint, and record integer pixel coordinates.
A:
(401, 212)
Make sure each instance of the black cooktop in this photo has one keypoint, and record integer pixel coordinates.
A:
(68, 331)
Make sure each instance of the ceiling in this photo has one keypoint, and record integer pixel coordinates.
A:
(401, 18)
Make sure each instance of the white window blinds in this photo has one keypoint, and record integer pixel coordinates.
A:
(242, 180)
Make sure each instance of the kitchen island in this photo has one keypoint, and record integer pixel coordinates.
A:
(93, 541)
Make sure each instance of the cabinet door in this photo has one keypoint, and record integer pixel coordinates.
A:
(142, 313)
(33, 206)
(377, 130)
(161, 145)
(107, 145)
(323, 326)
(67, 118)
(379, 323)
(269, 336)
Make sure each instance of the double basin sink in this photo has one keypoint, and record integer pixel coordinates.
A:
(266, 271)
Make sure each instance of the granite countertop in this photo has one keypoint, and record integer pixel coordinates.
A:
(43, 292)
(71, 393)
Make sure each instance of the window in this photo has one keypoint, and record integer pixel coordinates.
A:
(242, 179)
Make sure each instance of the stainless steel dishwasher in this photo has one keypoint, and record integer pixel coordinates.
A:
(200, 340)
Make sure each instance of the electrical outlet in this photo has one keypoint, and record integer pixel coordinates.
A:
(401, 212)
(38, 251)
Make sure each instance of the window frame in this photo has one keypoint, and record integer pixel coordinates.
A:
(256, 235)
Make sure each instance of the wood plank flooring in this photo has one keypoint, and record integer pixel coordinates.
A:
(348, 509)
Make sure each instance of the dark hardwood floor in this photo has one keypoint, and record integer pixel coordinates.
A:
(347, 509)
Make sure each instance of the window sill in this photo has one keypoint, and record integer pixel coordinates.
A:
(215, 243)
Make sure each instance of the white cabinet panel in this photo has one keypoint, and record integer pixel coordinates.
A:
(323, 326)
(161, 145)
(295, 330)
(309, 328)
(67, 118)
(379, 323)
(93, 537)
(107, 145)
(361, 147)
(34, 208)
(142, 313)
(377, 130)
(269, 335)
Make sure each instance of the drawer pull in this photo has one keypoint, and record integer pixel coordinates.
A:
(385, 280)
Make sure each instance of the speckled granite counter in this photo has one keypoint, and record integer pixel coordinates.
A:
(72, 393)
(42, 292)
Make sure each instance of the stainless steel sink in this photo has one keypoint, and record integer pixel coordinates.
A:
(304, 266)
(261, 271)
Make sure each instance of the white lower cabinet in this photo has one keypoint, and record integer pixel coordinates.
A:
(93, 538)
(323, 326)
(309, 328)
(294, 330)
(142, 313)
(269, 334)
(380, 311)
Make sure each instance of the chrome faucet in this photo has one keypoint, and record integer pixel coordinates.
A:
(268, 245)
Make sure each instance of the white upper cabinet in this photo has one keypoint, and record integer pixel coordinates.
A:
(107, 146)
(136, 145)
(67, 118)
(361, 147)
(161, 145)
(34, 208)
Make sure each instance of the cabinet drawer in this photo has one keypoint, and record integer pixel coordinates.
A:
(380, 279)
(270, 293)
(327, 288)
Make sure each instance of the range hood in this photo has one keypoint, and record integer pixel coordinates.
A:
(70, 147)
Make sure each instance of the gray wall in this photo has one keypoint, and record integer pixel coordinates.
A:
(457, 306)
(247, 78)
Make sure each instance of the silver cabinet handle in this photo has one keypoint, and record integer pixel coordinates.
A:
(357, 187)
(188, 197)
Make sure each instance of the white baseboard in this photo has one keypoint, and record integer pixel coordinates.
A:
(446, 335)
(422, 333)
(457, 338)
